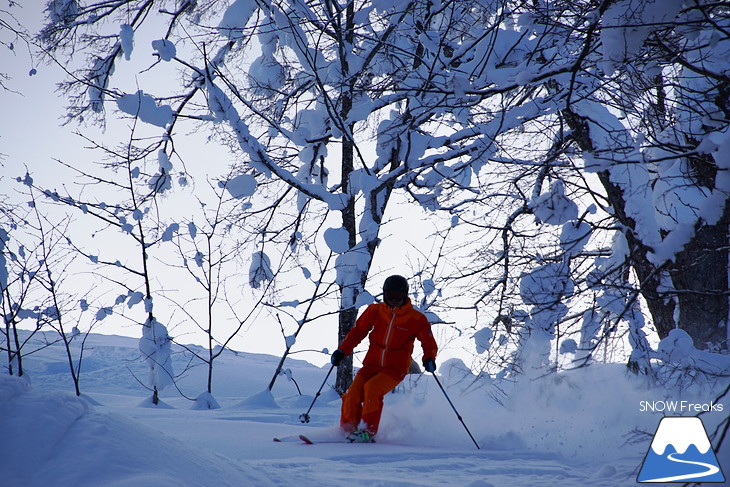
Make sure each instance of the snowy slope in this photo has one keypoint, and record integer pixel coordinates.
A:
(568, 432)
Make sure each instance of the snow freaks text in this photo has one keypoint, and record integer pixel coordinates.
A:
(679, 407)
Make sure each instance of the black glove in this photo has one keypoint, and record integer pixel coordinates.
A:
(429, 364)
(337, 357)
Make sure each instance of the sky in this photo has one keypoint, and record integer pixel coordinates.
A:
(32, 136)
(32, 110)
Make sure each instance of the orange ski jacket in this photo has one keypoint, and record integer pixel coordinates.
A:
(392, 334)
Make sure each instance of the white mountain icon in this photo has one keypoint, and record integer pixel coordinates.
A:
(680, 432)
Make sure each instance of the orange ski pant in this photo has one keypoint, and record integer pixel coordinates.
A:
(364, 399)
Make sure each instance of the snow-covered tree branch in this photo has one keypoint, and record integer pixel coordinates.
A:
(584, 138)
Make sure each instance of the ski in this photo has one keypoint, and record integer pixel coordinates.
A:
(286, 439)
(303, 438)
(356, 437)
(307, 440)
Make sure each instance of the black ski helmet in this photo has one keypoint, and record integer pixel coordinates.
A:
(396, 284)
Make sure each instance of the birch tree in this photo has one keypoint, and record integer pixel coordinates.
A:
(343, 102)
(628, 152)
(124, 211)
(340, 105)
(647, 106)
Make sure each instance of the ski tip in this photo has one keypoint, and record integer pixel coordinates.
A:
(278, 440)
(306, 440)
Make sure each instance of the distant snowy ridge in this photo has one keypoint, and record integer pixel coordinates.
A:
(680, 432)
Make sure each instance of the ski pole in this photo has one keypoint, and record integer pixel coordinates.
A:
(304, 417)
(457, 412)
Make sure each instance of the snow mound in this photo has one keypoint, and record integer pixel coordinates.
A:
(148, 402)
(205, 401)
(262, 400)
(56, 438)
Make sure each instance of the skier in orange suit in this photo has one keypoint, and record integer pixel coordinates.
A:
(393, 327)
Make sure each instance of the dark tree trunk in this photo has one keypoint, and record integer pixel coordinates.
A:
(699, 273)
(348, 312)
(700, 276)
(660, 308)
(345, 370)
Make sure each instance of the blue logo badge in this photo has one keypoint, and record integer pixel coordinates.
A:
(680, 452)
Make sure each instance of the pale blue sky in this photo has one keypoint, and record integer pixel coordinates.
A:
(30, 134)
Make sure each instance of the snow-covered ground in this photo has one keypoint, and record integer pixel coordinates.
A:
(577, 429)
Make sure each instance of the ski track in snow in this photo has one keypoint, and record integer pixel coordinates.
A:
(54, 438)
(711, 470)
(386, 463)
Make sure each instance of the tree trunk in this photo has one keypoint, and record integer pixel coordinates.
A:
(700, 274)
(649, 277)
(661, 309)
(348, 296)
(345, 370)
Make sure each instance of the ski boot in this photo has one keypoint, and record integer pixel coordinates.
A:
(361, 436)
